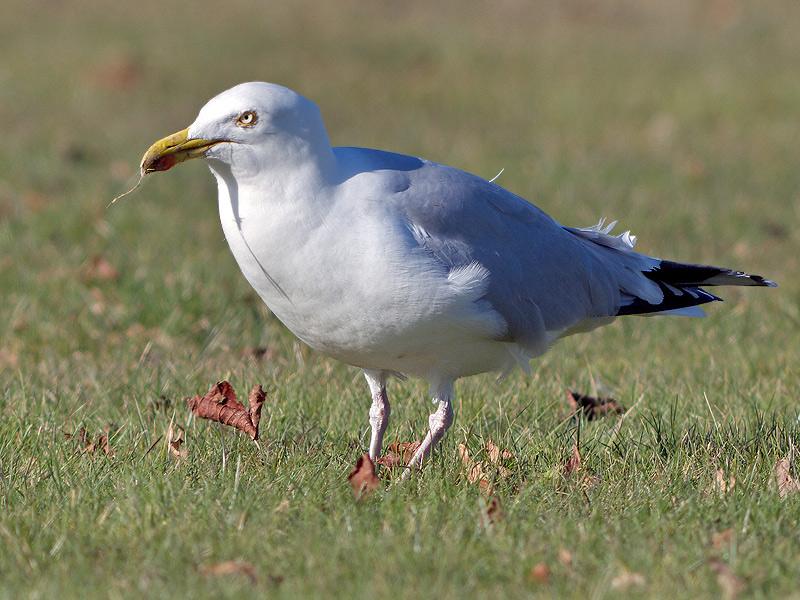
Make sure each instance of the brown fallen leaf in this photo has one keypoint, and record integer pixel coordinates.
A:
(574, 467)
(363, 478)
(627, 579)
(775, 230)
(8, 359)
(721, 539)
(573, 464)
(787, 484)
(98, 305)
(475, 474)
(729, 582)
(230, 567)
(495, 453)
(35, 201)
(398, 454)
(259, 353)
(477, 470)
(73, 151)
(692, 168)
(565, 557)
(722, 485)
(119, 73)
(175, 441)
(80, 436)
(220, 404)
(90, 445)
(120, 170)
(494, 510)
(723, 14)
(104, 442)
(100, 269)
(591, 407)
(539, 573)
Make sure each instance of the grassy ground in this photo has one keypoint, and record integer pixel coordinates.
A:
(679, 118)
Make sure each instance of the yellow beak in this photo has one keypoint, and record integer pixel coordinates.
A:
(174, 149)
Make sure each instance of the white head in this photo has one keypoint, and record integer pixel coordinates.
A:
(250, 127)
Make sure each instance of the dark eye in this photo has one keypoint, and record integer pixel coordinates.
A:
(247, 119)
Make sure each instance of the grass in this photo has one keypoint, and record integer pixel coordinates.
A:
(680, 119)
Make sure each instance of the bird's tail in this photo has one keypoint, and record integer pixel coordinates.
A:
(682, 286)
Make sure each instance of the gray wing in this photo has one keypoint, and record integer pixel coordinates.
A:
(544, 279)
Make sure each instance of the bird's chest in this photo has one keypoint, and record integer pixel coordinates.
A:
(329, 278)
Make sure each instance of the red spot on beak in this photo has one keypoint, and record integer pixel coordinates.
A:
(163, 163)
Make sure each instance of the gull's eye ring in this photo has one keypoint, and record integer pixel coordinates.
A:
(247, 119)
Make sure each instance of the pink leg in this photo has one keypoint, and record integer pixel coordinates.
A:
(379, 411)
(438, 424)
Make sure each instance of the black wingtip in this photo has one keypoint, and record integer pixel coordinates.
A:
(674, 299)
(685, 274)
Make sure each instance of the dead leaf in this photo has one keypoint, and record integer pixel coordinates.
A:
(539, 573)
(723, 485)
(722, 539)
(120, 73)
(723, 14)
(477, 470)
(89, 445)
(475, 474)
(230, 567)
(175, 440)
(494, 510)
(589, 481)
(660, 131)
(730, 583)
(104, 442)
(495, 453)
(398, 454)
(259, 353)
(692, 168)
(98, 305)
(363, 478)
(120, 170)
(787, 484)
(100, 269)
(627, 579)
(775, 230)
(573, 464)
(565, 557)
(73, 152)
(220, 404)
(69, 436)
(35, 201)
(497, 456)
(8, 359)
(591, 407)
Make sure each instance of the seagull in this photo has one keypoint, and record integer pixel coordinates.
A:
(401, 266)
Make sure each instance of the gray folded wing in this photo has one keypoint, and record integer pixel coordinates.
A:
(544, 279)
